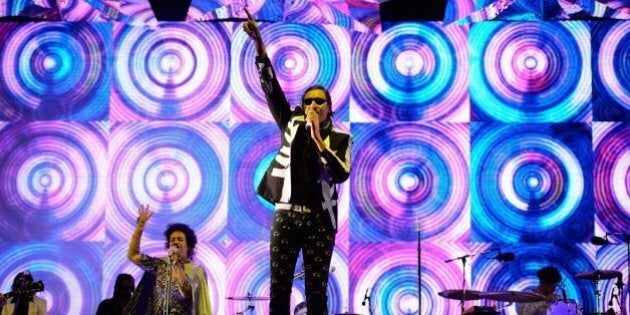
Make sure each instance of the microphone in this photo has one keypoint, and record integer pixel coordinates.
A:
(309, 125)
(172, 251)
(365, 297)
(509, 256)
(599, 241)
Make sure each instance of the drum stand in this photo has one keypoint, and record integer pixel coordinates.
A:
(368, 298)
(169, 287)
(598, 295)
(250, 308)
(463, 259)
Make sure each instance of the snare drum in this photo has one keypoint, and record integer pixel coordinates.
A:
(559, 307)
(300, 309)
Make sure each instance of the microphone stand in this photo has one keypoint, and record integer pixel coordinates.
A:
(250, 307)
(626, 239)
(369, 301)
(169, 286)
(463, 259)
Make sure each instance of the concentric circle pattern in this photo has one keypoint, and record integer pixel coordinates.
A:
(302, 56)
(614, 258)
(253, 147)
(78, 11)
(53, 177)
(456, 10)
(612, 175)
(129, 12)
(244, 278)
(12, 8)
(511, 134)
(405, 173)
(520, 275)
(338, 285)
(308, 12)
(390, 272)
(54, 71)
(531, 182)
(177, 72)
(413, 71)
(178, 169)
(69, 269)
(611, 77)
(530, 71)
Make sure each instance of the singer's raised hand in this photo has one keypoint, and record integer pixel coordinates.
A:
(144, 214)
(251, 28)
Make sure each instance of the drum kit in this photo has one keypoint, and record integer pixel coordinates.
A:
(564, 307)
(561, 306)
(502, 296)
(596, 276)
(250, 299)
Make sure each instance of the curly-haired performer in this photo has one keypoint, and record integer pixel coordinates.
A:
(189, 289)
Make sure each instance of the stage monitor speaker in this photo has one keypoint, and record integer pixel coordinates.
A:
(412, 10)
(170, 10)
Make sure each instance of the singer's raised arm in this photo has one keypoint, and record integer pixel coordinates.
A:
(276, 100)
(133, 253)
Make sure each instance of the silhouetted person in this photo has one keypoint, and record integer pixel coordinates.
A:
(123, 290)
(548, 279)
(24, 304)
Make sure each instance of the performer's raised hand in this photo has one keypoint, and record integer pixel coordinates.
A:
(251, 28)
(144, 214)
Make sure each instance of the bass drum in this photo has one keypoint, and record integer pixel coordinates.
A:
(300, 309)
(560, 307)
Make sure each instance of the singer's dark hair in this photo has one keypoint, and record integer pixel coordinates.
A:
(191, 238)
(549, 274)
(328, 99)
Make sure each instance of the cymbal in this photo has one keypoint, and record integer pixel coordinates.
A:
(248, 298)
(513, 296)
(458, 294)
(598, 275)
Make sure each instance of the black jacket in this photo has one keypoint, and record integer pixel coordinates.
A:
(280, 182)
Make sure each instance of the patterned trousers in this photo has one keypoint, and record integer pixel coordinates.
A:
(290, 233)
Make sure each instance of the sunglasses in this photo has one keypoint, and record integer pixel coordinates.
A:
(318, 101)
